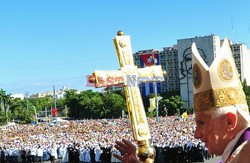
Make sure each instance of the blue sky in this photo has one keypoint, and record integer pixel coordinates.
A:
(58, 42)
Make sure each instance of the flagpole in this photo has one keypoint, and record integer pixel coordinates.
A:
(156, 102)
(51, 115)
(46, 116)
(54, 91)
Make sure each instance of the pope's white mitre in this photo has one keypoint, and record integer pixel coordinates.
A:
(218, 85)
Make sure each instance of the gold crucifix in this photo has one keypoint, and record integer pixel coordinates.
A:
(130, 76)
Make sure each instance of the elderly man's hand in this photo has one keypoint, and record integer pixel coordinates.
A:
(128, 151)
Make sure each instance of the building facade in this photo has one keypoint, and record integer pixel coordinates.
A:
(19, 95)
(59, 93)
(208, 47)
(177, 61)
(242, 57)
(169, 63)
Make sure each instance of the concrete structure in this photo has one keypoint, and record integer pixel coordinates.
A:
(112, 89)
(169, 63)
(19, 95)
(208, 47)
(242, 58)
(177, 61)
(59, 94)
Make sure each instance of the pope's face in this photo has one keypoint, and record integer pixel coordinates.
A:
(211, 131)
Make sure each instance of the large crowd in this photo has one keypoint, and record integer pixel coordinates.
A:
(93, 140)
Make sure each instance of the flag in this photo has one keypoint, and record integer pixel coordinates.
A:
(185, 115)
(149, 60)
(54, 112)
(152, 104)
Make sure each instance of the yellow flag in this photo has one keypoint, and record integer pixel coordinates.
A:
(152, 105)
(185, 115)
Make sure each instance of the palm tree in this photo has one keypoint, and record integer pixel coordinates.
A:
(2, 99)
(5, 100)
(7, 105)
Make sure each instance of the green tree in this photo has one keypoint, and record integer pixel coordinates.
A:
(65, 111)
(61, 104)
(87, 104)
(90, 104)
(5, 100)
(3, 118)
(172, 105)
(112, 106)
(120, 92)
(72, 102)
(24, 115)
(20, 111)
(42, 102)
(169, 94)
(246, 90)
(190, 110)
(2, 99)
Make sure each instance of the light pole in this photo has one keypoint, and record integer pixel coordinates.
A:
(156, 102)
(54, 91)
(35, 113)
(46, 116)
(155, 88)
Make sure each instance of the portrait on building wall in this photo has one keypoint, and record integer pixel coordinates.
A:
(186, 63)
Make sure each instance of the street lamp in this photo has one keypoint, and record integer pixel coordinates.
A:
(35, 113)
(155, 88)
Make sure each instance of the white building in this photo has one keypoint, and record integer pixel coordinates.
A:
(19, 95)
(169, 63)
(59, 94)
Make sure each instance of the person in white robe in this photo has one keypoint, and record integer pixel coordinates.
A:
(82, 154)
(65, 154)
(98, 153)
(87, 156)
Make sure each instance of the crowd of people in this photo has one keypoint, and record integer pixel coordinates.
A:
(93, 140)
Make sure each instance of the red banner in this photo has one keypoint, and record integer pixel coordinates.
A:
(148, 59)
(54, 112)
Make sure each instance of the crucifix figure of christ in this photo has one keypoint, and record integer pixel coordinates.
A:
(130, 76)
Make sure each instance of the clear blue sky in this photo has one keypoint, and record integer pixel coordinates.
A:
(58, 42)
